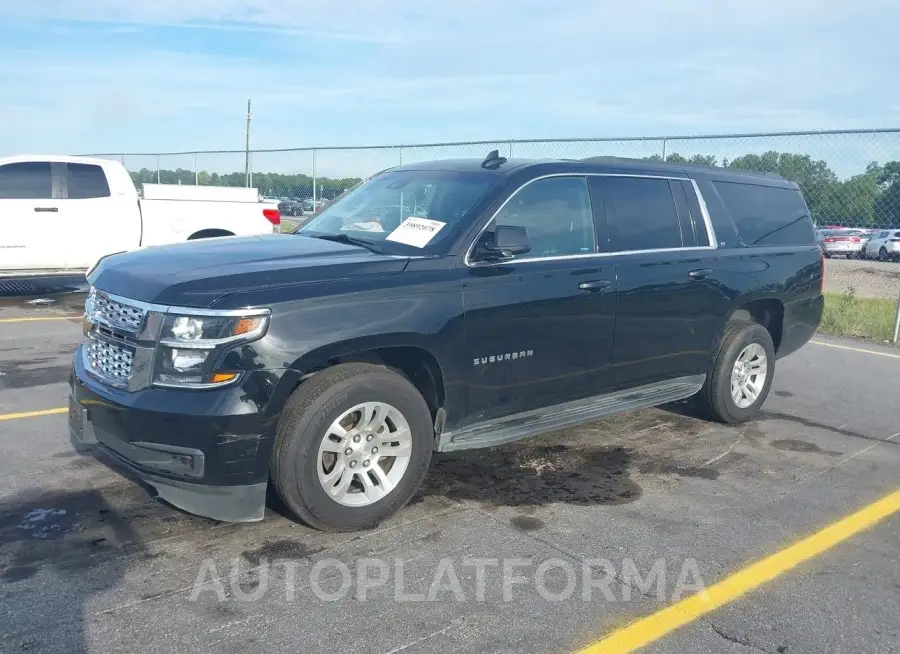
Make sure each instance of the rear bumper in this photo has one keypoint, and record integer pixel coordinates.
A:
(206, 452)
(842, 248)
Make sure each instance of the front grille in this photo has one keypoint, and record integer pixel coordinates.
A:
(115, 314)
(109, 361)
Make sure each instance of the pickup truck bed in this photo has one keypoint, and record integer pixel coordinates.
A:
(62, 214)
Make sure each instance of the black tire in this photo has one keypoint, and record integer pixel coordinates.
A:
(882, 254)
(304, 421)
(715, 396)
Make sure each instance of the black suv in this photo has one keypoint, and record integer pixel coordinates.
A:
(434, 307)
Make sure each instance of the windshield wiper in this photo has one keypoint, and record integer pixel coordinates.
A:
(349, 240)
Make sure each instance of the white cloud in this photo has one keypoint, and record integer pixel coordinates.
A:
(175, 74)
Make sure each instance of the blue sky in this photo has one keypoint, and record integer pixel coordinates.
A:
(149, 75)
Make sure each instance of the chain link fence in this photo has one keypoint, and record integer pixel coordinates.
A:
(849, 178)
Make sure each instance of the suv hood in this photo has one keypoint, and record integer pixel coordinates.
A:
(196, 273)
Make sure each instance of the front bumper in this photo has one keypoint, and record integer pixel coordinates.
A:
(206, 452)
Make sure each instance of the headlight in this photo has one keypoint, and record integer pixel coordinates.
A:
(191, 346)
(201, 332)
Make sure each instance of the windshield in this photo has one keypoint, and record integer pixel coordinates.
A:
(405, 211)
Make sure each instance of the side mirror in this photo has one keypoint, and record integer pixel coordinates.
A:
(507, 242)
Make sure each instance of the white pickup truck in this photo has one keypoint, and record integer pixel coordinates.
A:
(61, 214)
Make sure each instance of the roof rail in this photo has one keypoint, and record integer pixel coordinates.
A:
(682, 166)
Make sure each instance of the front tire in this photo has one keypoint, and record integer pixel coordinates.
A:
(741, 375)
(352, 447)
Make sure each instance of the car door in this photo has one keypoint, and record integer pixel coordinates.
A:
(875, 243)
(30, 236)
(668, 301)
(539, 326)
(99, 221)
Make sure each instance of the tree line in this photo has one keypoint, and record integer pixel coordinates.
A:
(868, 199)
(269, 184)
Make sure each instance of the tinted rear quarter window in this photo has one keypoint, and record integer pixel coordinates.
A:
(86, 181)
(29, 180)
(641, 213)
(767, 215)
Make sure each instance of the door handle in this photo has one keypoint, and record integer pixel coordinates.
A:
(703, 273)
(595, 285)
(46, 209)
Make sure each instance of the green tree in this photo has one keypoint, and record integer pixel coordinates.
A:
(819, 184)
(887, 206)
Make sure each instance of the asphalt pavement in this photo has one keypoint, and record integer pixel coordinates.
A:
(542, 546)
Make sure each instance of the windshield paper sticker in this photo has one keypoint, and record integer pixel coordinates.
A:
(417, 232)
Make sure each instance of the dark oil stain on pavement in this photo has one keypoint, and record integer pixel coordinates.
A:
(54, 532)
(39, 371)
(791, 445)
(669, 468)
(784, 394)
(534, 473)
(812, 424)
(526, 522)
(279, 550)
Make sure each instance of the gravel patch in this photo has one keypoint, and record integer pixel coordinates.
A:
(865, 278)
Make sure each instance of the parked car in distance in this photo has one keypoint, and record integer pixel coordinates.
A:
(62, 214)
(884, 245)
(840, 242)
(290, 207)
(532, 297)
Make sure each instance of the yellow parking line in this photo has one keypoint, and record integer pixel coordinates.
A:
(41, 319)
(33, 414)
(653, 627)
(857, 349)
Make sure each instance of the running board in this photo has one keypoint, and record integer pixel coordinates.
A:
(561, 416)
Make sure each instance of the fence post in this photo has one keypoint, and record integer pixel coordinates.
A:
(400, 154)
(196, 172)
(157, 169)
(510, 149)
(897, 323)
(314, 179)
(123, 160)
(665, 144)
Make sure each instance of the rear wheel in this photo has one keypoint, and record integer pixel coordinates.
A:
(882, 254)
(352, 447)
(741, 375)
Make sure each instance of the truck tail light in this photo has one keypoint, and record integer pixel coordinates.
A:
(272, 216)
(895, 240)
(855, 239)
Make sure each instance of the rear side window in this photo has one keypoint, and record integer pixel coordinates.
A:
(29, 180)
(767, 215)
(640, 213)
(86, 181)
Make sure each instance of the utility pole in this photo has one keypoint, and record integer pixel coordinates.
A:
(247, 148)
